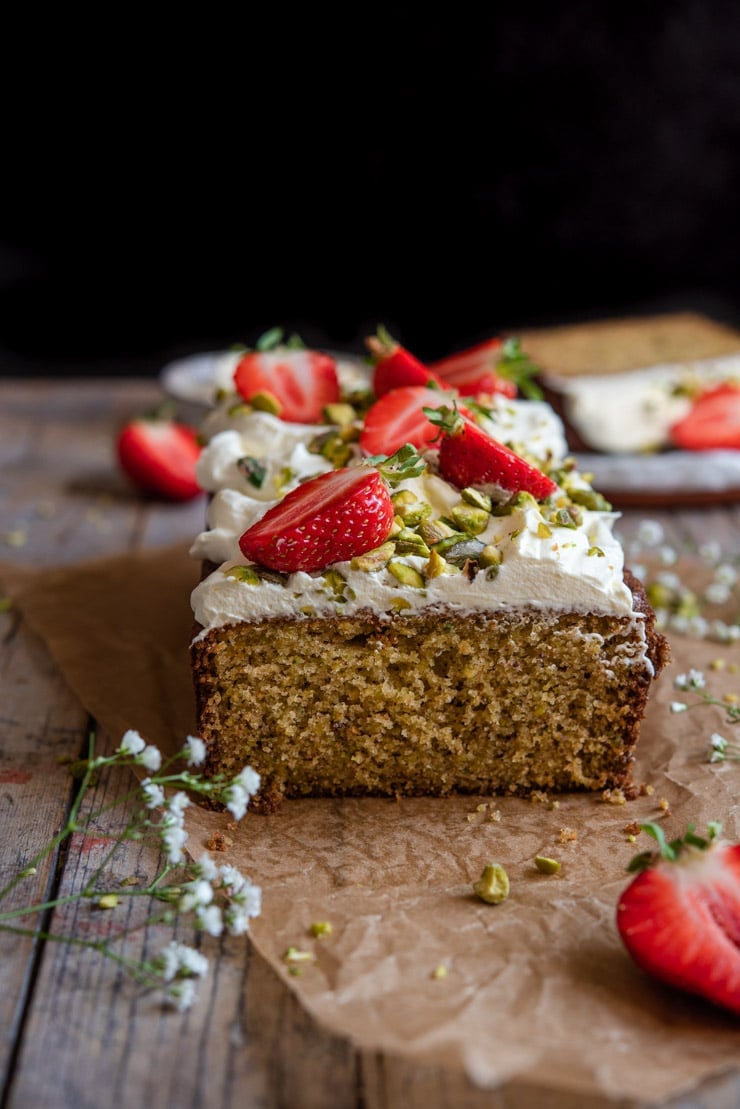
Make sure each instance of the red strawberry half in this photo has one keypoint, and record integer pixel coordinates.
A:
(398, 418)
(159, 455)
(296, 384)
(468, 456)
(493, 366)
(328, 519)
(680, 917)
(395, 367)
(473, 371)
(712, 423)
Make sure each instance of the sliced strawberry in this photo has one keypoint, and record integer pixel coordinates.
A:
(680, 917)
(296, 384)
(398, 418)
(469, 456)
(159, 457)
(396, 367)
(472, 371)
(328, 519)
(712, 423)
(493, 366)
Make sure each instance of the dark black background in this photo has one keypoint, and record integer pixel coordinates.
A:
(182, 188)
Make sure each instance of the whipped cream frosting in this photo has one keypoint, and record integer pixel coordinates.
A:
(542, 565)
(633, 412)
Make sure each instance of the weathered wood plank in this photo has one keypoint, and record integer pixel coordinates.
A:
(40, 722)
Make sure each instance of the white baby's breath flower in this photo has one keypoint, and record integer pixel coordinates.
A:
(210, 920)
(236, 919)
(178, 959)
(196, 895)
(206, 868)
(174, 838)
(249, 779)
(650, 533)
(131, 743)
(693, 680)
(725, 574)
(182, 993)
(150, 757)
(249, 898)
(152, 793)
(237, 800)
(178, 803)
(678, 706)
(710, 552)
(668, 556)
(195, 751)
(717, 593)
(231, 878)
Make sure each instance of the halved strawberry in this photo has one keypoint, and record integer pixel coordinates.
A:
(328, 519)
(159, 454)
(472, 371)
(296, 384)
(469, 456)
(398, 418)
(493, 366)
(680, 917)
(395, 366)
(712, 423)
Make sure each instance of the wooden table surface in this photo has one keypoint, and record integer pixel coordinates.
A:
(75, 1031)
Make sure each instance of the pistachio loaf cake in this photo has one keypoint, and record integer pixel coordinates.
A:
(408, 588)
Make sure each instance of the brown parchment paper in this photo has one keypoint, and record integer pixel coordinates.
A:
(538, 990)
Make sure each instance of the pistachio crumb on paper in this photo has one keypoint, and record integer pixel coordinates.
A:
(493, 884)
(321, 928)
(546, 865)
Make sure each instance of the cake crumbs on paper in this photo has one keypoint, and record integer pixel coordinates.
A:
(219, 841)
(665, 807)
(484, 812)
(614, 796)
(567, 835)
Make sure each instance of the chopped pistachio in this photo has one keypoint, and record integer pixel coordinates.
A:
(414, 514)
(402, 499)
(543, 531)
(266, 402)
(239, 408)
(490, 556)
(440, 971)
(436, 566)
(340, 413)
(254, 471)
(108, 901)
(284, 476)
(243, 573)
(477, 498)
(459, 549)
(595, 551)
(493, 884)
(589, 498)
(406, 574)
(295, 955)
(410, 542)
(432, 531)
(375, 559)
(335, 582)
(321, 928)
(546, 865)
(398, 604)
(466, 517)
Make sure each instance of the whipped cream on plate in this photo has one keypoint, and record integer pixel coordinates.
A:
(633, 412)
